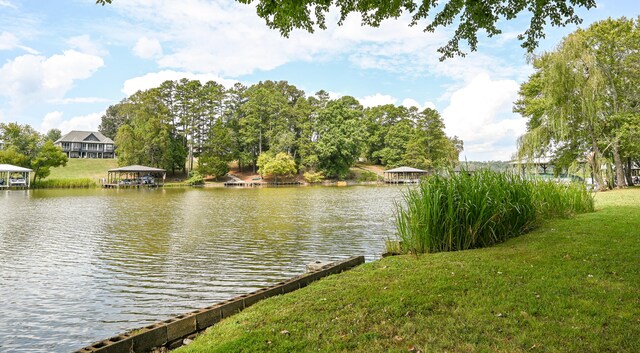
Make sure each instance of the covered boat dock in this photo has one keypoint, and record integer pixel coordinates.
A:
(14, 177)
(404, 175)
(533, 165)
(134, 176)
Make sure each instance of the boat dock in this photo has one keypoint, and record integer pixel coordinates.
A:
(243, 184)
(251, 184)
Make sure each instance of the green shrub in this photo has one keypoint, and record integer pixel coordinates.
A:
(367, 176)
(313, 177)
(195, 179)
(65, 183)
(462, 211)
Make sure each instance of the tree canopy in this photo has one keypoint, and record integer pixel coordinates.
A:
(282, 164)
(25, 147)
(470, 16)
(583, 100)
(253, 125)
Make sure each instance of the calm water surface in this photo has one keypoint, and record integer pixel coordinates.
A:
(78, 266)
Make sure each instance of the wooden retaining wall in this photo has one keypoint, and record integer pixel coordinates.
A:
(171, 333)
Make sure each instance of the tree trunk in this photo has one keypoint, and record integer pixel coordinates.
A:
(255, 159)
(595, 171)
(627, 172)
(35, 175)
(595, 163)
(617, 161)
(190, 156)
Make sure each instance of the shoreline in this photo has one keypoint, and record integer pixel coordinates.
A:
(221, 184)
(180, 330)
(508, 297)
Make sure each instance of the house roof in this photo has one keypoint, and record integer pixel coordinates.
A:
(13, 169)
(81, 136)
(405, 170)
(136, 169)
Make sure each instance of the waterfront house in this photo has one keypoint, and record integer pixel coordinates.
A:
(86, 144)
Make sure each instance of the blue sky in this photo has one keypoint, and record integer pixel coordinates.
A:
(62, 63)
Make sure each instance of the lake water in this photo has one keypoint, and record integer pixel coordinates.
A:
(77, 266)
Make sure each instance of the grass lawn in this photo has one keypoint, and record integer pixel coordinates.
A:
(573, 285)
(78, 168)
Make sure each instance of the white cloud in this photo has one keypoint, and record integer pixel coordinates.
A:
(409, 102)
(9, 41)
(154, 79)
(230, 40)
(377, 99)
(6, 3)
(84, 44)
(147, 48)
(54, 120)
(480, 114)
(334, 95)
(221, 37)
(383, 99)
(233, 30)
(33, 78)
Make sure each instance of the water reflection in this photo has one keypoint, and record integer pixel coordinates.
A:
(81, 265)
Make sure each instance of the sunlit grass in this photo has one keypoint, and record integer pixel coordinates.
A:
(571, 285)
(80, 168)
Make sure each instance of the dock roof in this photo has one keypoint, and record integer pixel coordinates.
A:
(14, 169)
(405, 170)
(137, 169)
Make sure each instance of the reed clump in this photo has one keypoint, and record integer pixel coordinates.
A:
(77, 183)
(465, 211)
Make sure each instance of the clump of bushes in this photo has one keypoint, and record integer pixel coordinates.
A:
(465, 211)
(195, 179)
(313, 177)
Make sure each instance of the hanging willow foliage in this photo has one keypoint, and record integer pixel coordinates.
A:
(577, 91)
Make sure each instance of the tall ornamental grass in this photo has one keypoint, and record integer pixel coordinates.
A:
(77, 183)
(463, 211)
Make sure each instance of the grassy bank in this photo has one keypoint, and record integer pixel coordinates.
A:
(83, 168)
(78, 173)
(572, 285)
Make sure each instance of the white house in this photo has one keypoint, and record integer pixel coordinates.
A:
(86, 144)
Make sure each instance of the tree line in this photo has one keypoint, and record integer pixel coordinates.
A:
(583, 102)
(26, 147)
(178, 122)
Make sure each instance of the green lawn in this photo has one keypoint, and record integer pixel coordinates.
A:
(573, 285)
(78, 168)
